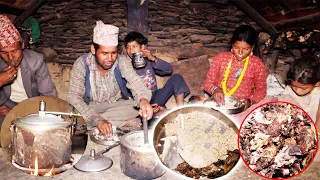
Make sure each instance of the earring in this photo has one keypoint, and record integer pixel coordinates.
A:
(231, 51)
(251, 53)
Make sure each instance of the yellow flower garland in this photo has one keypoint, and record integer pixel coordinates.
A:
(226, 74)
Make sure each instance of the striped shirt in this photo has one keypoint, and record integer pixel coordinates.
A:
(100, 91)
(106, 89)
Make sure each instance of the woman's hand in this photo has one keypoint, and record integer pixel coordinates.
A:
(218, 96)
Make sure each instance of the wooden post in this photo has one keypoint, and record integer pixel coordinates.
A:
(138, 16)
(271, 63)
(302, 21)
(8, 9)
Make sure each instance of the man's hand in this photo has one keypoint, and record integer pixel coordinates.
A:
(105, 127)
(147, 53)
(4, 110)
(8, 75)
(146, 109)
(218, 96)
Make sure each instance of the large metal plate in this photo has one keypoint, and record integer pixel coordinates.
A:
(234, 110)
(107, 142)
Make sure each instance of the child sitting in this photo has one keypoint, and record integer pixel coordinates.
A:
(176, 85)
(303, 80)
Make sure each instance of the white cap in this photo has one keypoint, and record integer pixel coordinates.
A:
(105, 34)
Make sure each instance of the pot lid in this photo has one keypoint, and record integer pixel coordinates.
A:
(92, 163)
(44, 121)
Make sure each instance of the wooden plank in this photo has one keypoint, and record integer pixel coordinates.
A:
(268, 27)
(138, 16)
(7, 9)
(30, 10)
(8, 1)
(301, 21)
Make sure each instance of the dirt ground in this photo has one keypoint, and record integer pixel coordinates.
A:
(240, 172)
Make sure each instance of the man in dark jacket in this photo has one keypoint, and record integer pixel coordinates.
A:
(31, 78)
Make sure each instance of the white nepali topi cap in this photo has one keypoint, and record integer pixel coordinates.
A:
(105, 34)
(8, 33)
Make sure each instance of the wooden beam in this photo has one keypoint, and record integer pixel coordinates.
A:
(7, 9)
(138, 16)
(300, 21)
(253, 14)
(30, 10)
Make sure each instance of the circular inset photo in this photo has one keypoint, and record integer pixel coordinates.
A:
(197, 141)
(278, 140)
(43, 136)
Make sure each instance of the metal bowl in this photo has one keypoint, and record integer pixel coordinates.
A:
(232, 110)
(116, 132)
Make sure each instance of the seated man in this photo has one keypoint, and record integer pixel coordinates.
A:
(99, 81)
(28, 71)
(136, 42)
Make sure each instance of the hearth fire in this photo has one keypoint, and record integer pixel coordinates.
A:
(36, 170)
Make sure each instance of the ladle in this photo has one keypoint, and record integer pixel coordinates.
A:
(95, 161)
(145, 130)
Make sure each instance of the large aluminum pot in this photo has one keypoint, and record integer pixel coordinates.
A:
(46, 137)
(137, 160)
(173, 157)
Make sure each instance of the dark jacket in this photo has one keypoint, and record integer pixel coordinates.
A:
(35, 76)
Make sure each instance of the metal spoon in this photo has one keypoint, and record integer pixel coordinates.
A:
(145, 129)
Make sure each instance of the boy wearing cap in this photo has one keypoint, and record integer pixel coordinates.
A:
(23, 72)
(99, 81)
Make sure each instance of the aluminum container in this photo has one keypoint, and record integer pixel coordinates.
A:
(46, 138)
(138, 160)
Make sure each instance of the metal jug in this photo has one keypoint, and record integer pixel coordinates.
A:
(138, 61)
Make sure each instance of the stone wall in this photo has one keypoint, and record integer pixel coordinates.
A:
(67, 26)
(178, 31)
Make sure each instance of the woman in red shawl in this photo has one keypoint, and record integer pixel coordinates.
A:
(238, 73)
